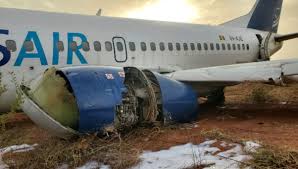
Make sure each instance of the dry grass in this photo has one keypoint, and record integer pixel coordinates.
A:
(258, 96)
(215, 134)
(4, 119)
(268, 157)
(254, 92)
(117, 152)
(2, 86)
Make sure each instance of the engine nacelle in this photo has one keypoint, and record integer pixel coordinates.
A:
(269, 46)
(78, 100)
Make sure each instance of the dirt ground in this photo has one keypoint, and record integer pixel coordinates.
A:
(273, 123)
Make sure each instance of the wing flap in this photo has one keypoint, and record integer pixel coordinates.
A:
(206, 79)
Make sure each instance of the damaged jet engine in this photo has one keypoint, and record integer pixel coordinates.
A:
(78, 100)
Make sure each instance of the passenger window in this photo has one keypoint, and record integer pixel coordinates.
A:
(60, 46)
(29, 46)
(247, 46)
(205, 46)
(73, 46)
(108, 45)
(234, 47)
(199, 46)
(239, 46)
(143, 46)
(153, 46)
(97, 46)
(11, 45)
(223, 46)
(243, 47)
(229, 46)
(132, 46)
(185, 46)
(162, 46)
(192, 46)
(211, 46)
(217, 47)
(119, 46)
(170, 45)
(86, 46)
(178, 47)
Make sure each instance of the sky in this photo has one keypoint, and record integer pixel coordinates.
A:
(191, 11)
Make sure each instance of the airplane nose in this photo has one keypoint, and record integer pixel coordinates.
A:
(78, 100)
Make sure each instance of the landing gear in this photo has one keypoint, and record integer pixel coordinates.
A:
(217, 97)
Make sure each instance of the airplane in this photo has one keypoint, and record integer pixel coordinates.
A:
(111, 69)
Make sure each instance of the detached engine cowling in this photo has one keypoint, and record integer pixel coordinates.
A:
(102, 99)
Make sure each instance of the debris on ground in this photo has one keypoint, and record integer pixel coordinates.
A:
(204, 155)
(14, 149)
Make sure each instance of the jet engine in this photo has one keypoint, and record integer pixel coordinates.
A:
(78, 100)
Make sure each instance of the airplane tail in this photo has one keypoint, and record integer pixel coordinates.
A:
(264, 16)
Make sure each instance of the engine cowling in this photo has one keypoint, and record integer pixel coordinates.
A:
(80, 100)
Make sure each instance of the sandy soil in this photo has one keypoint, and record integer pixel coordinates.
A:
(273, 123)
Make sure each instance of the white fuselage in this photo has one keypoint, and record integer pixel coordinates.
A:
(49, 28)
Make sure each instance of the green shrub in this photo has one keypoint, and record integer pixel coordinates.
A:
(258, 95)
(2, 86)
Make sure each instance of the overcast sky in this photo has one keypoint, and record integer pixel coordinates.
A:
(194, 11)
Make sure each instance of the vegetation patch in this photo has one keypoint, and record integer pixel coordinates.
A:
(19, 97)
(118, 152)
(269, 157)
(259, 95)
(215, 134)
(2, 86)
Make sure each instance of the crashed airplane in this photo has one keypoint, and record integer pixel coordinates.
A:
(84, 74)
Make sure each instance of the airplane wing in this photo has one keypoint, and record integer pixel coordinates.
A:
(206, 79)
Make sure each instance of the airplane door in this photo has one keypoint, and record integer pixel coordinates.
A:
(120, 49)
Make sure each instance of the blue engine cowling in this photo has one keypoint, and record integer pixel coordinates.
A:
(123, 97)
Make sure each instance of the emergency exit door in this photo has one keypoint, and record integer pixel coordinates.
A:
(120, 50)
